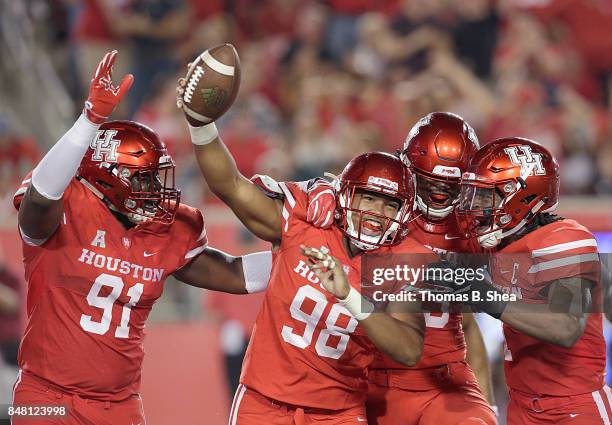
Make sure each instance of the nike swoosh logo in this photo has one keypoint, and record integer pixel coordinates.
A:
(361, 419)
(148, 254)
(451, 237)
(504, 271)
(573, 415)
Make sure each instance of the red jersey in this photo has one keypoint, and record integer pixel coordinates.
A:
(91, 287)
(526, 267)
(303, 336)
(444, 340)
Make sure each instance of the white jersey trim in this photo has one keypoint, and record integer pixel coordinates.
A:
(562, 262)
(608, 395)
(564, 247)
(288, 194)
(285, 214)
(236, 404)
(15, 385)
(601, 407)
(195, 251)
(20, 191)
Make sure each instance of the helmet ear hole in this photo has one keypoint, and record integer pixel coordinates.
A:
(104, 184)
(528, 199)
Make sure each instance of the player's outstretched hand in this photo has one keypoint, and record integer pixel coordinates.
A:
(103, 95)
(321, 204)
(329, 271)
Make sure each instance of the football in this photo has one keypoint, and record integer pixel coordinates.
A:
(212, 83)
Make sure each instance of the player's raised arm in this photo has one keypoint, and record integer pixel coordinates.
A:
(217, 271)
(41, 209)
(205, 94)
(398, 332)
(260, 214)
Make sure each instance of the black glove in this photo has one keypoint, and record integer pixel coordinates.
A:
(450, 278)
(440, 278)
(485, 297)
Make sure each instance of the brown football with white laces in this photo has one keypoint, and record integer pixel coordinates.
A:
(212, 83)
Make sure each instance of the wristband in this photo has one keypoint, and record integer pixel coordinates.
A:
(359, 307)
(203, 135)
(256, 268)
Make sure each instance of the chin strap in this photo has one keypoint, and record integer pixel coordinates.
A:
(365, 242)
(138, 217)
(491, 240)
(433, 213)
(135, 218)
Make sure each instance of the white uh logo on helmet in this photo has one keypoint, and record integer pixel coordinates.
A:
(105, 146)
(527, 160)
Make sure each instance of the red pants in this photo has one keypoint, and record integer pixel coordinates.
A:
(29, 391)
(584, 409)
(252, 408)
(446, 395)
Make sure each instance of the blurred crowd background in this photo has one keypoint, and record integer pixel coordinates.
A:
(322, 81)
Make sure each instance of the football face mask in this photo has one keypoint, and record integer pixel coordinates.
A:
(480, 209)
(153, 195)
(374, 199)
(372, 219)
(436, 197)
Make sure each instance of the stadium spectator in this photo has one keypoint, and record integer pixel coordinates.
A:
(17, 156)
(154, 28)
(97, 30)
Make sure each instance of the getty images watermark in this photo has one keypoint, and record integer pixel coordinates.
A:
(430, 283)
(460, 278)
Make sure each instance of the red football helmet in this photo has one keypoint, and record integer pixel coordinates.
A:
(382, 174)
(128, 166)
(438, 149)
(507, 183)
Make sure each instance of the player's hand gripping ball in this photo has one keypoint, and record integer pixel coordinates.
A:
(210, 86)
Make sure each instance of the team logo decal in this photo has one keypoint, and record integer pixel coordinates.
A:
(105, 146)
(126, 243)
(530, 163)
(214, 96)
(385, 183)
(99, 240)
